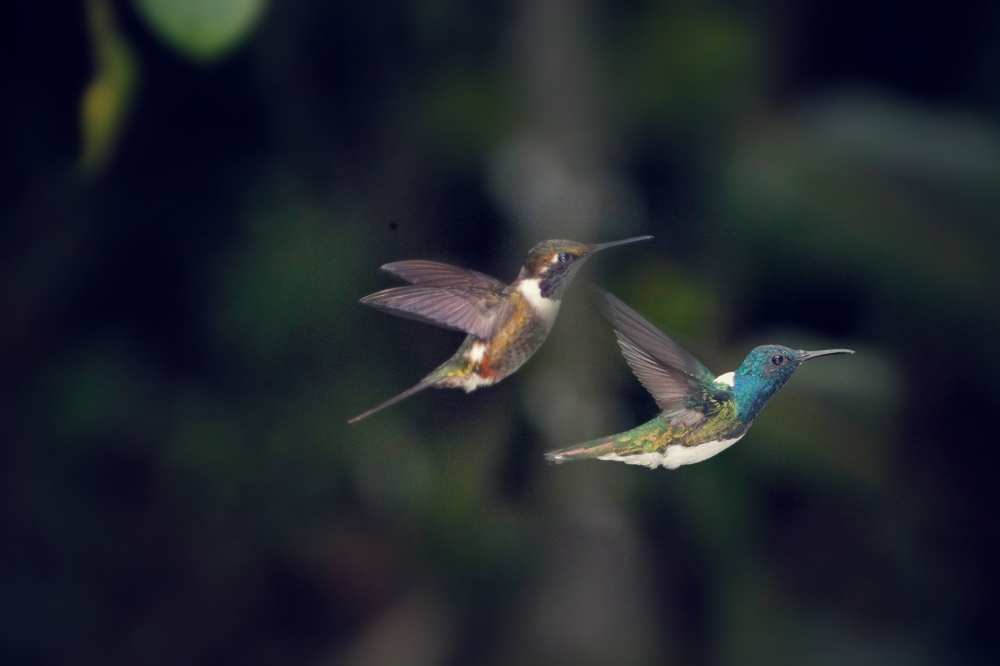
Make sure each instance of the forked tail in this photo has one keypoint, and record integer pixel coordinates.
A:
(392, 401)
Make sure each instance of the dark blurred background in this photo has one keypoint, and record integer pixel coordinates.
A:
(194, 194)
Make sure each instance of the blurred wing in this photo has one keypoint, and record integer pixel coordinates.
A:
(434, 274)
(470, 311)
(677, 380)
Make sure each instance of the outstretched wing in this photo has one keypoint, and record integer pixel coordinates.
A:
(679, 383)
(434, 274)
(472, 311)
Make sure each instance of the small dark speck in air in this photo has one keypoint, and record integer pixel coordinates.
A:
(393, 226)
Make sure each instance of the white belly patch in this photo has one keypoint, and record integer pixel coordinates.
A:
(675, 455)
(546, 308)
(474, 381)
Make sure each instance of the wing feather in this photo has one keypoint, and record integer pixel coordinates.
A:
(435, 274)
(471, 311)
(654, 342)
(679, 383)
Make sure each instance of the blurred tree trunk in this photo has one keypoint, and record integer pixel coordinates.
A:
(555, 180)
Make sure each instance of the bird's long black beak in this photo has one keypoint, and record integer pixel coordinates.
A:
(808, 356)
(605, 246)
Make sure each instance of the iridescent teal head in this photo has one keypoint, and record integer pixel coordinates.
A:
(764, 371)
(554, 263)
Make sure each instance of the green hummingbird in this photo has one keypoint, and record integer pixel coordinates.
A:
(702, 414)
(505, 324)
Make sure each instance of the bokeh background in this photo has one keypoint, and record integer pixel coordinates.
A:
(194, 194)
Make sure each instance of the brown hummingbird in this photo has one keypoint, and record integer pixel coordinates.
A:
(506, 324)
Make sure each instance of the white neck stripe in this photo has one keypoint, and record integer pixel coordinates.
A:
(546, 308)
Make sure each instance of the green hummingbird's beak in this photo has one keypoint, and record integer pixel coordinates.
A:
(808, 356)
(605, 246)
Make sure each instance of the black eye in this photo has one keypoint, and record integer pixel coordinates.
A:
(777, 359)
(564, 257)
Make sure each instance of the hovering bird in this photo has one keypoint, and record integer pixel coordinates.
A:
(506, 324)
(702, 414)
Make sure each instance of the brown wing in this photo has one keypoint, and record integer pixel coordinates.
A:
(678, 381)
(434, 274)
(471, 311)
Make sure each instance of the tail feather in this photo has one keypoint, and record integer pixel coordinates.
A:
(392, 401)
(593, 449)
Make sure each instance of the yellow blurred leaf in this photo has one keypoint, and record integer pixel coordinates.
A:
(108, 97)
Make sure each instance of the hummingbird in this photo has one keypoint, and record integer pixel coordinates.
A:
(702, 414)
(505, 324)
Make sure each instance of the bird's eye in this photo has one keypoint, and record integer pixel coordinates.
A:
(564, 257)
(777, 359)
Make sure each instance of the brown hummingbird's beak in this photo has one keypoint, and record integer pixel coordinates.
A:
(808, 356)
(605, 246)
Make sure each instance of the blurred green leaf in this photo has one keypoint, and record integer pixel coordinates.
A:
(684, 308)
(792, 189)
(841, 443)
(92, 397)
(202, 30)
(107, 99)
(466, 112)
(683, 62)
(280, 291)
